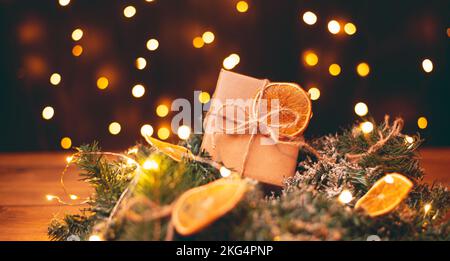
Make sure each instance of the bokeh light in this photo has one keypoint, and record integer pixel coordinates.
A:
(204, 97)
(345, 197)
(208, 37)
(102, 83)
(349, 28)
(152, 44)
(140, 63)
(224, 172)
(48, 113)
(427, 65)
(162, 110)
(146, 130)
(366, 127)
(66, 143)
(334, 27)
(310, 58)
(163, 133)
(138, 91)
(198, 42)
(184, 132)
(114, 128)
(77, 50)
(334, 69)
(361, 109)
(309, 18)
(422, 122)
(129, 11)
(77, 34)
(55, 79)
(363, 69)
(242, 6)
(64, 2)
(314, 93)
(150, 165)
(231, 61)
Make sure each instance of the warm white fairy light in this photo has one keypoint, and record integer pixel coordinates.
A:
(208, 37)
(141, 63)
(184, 132)
(334, 27)
(64, 2)
(309, 18)
(69, 159)
(147, 130)
(152, 44)
(48, 113)
(129, 11)
(345, 197)
(231, 61)
(55, 79)
(427, 65)
(95, 238)
(50, 197)
(389, 179)
(138, 91)
(77, 34)
(114, 128)
(314, 93)
(224, 172)
(367, 127)
(150, 165)
(409, 139)
(427, 208)
(361, 109)
(73, 197)
(349, 28)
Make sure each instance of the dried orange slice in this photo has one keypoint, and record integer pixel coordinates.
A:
(200, 206)
(295, 100)
(173, 151)
(385, 194)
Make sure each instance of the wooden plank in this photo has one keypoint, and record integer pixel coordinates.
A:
(25, 179)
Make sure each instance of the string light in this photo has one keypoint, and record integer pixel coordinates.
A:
(129, 11)
(345, 197)
(427, 208)
(163, 133)
(184, 132)
(310, 58)
(162, 110)
(309, 18)
(198, 42)
(389, 179)
(361, 109)
(334, 27)
(208, 37)
(95, 238)
(204, 97)
(422, 122)
(114, 128)
(64, 2)
(48, 113)
(409, 139)
(69, 159)
(138, 91)
(242, 6)
(150, 165)
(77, 34)
(231, 61)
(152, 44)
(314, 93)
(146, 130)
(367, 127)
(427, 65)
(73, 197)
(349, 28)
(102, 83)
(50, 197)
(55, 79)
(363, 69)
(66, 143)
(77, 50)
(224, 172)
(141, 63)
(334, 69)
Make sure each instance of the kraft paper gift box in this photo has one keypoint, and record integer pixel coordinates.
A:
(268, 163)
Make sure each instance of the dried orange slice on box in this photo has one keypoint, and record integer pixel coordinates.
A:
(173, 151)
(200, 206)
(293, 98)
(386, 194)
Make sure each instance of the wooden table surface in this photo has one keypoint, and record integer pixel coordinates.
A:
(26, 179)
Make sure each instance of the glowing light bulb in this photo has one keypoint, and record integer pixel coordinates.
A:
(55, 79)
(242, 6)
(389, 179)
(361, 109)
(309, 18)
(334, 27)
(114, 128)
(77, 50)
(150, 165)
(152, 44)
(162, 110)
(427, 65)
(345, 197)
(310, 58)
(427, 208)
(334, 69)
(208, 37)
(141, 63)
(64, 2)
(198, 42)
(367, 127)
(48, 113)
(184, 132)
(314, 93)
(95, 238)
(422, 123)
(349, 28)
(102, 83)
(129, 11)
(73, 197)
(224, 172)
(138, 91)
(363, 69)
(204, 97)
(66, 143)
(146, 130)
(77, 34)
(69, 159)
(163, 133)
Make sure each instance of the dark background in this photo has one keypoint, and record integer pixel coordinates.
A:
(392, 36)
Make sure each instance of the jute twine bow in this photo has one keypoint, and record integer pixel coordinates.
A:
(394, 131)
(256, 118)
